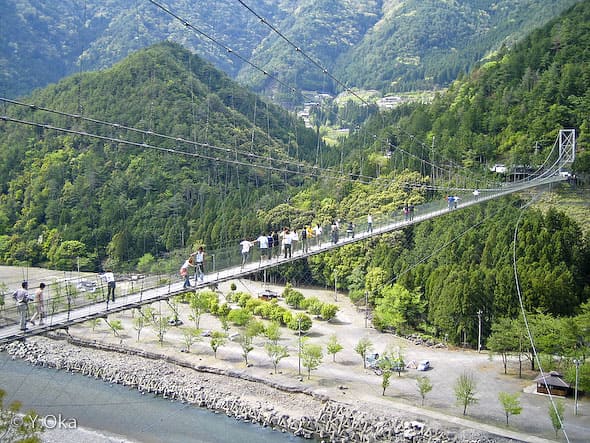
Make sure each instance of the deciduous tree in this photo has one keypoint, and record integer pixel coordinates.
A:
(333, 347)
(510, 404)
(311, 357)
(363, 346)
(465, 391)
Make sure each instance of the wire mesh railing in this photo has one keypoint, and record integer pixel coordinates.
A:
(76, 291)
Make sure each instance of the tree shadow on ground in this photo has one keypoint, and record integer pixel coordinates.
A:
(337, 322)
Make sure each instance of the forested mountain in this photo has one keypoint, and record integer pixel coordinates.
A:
(64, 194)
(42, 42)
(381, 44)
(448, 269)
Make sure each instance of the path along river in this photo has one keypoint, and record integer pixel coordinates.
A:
(101, 412)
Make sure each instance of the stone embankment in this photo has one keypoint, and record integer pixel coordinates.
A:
(293, 409)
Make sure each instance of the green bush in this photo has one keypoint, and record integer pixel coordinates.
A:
(287, 318)
(277, 314)
(252, 304)
(242, 299)
(329, 311)
(239, 317)
(294, 298)
(314, 306)
(300, 319)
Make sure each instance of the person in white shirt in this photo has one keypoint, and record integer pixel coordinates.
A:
(199, 257)
(263, 244)
(317, 232)
(109, 277)
(246, 245)
(287, 242)
(369, 223)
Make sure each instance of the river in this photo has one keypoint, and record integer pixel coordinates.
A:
(80, 408)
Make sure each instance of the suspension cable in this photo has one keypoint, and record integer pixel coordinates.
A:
(526, 323)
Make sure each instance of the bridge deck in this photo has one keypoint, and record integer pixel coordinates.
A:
(59, 320)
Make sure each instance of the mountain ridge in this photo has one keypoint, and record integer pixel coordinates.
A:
(384, 45)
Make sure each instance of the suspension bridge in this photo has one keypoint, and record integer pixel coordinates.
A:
(71, 307)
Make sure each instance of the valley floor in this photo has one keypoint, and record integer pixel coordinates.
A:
(347, 382)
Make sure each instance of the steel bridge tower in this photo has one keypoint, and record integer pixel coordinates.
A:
(567, 147)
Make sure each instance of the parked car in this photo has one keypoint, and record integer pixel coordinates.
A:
(206, 333)
(372, 359)
(86, 286)
(424, 365)
(267, 294)
(234, 336)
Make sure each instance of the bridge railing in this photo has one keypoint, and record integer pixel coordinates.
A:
(74, 291)
(71, 292)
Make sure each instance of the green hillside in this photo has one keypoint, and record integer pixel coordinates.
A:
(384, 45)
(64, 194)
(69, 196)
(509, 109)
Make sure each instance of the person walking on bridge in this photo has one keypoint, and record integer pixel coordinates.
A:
(317, 232)
(276, 246)
(183, 272)
(111, 285)
(369, 223)
(350, 230)
(39, 305)
(246, 245)
(22, 298)
(199, 257)
(334, 232)
(262, 241)
(304, 239)
(450, 201)
(287, 243)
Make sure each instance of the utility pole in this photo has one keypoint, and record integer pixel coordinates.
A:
(366, 308)
(577, 363)
(432, 162)
(299, 353)
(479, 312)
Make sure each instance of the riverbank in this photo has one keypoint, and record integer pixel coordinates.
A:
(343, 379)
(287, 408)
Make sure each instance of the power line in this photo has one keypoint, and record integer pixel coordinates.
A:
(314, 171)
(526, 322)
(297, 48)
(299, 168)
(203, 34)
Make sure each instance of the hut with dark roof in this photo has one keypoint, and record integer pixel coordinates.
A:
(552, 382)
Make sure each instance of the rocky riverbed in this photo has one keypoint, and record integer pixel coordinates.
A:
(288, 408)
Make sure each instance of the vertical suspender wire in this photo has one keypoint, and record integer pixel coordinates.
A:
(269, 141)
(238, 183)
(193, 134)
(253, 124)
(208, 111)
(80, 58)
(526, 323)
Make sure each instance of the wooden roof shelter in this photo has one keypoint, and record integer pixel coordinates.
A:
(552, 382)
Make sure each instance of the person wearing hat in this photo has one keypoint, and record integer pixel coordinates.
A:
(21, 297)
